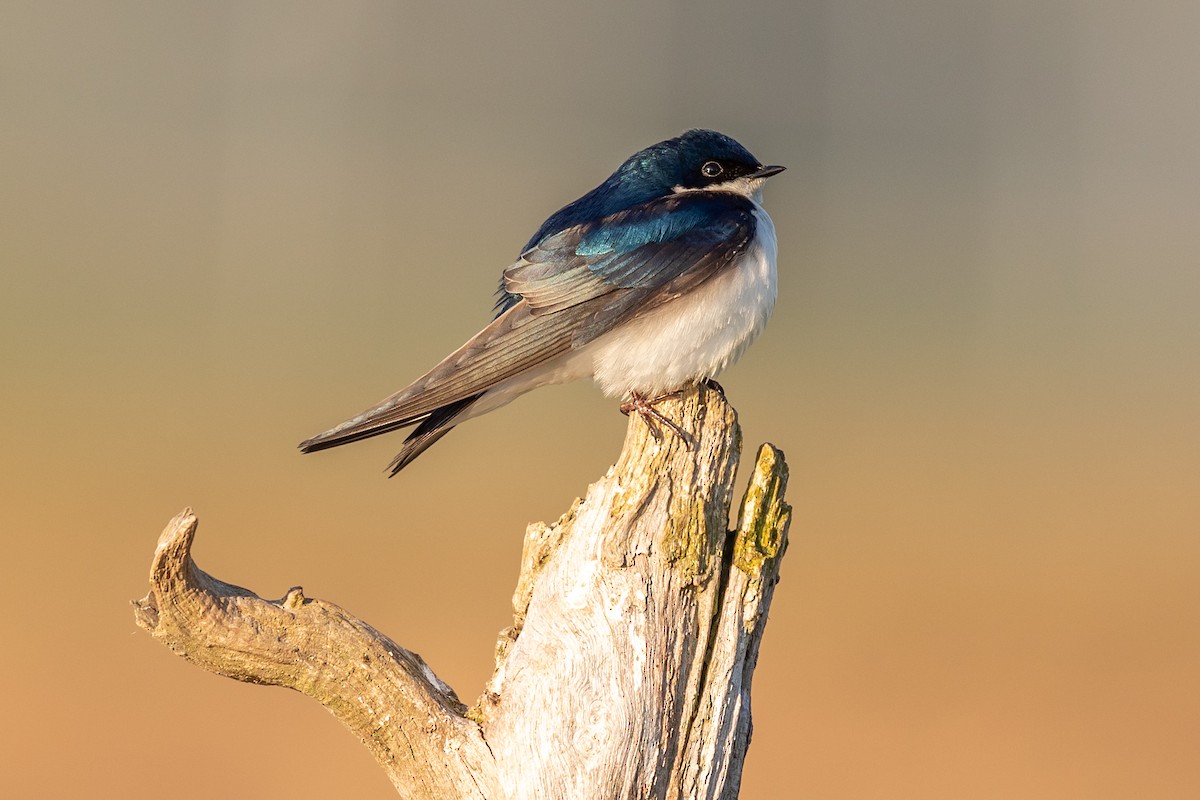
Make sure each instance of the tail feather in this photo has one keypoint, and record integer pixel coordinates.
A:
(432, 428)
(335, 437)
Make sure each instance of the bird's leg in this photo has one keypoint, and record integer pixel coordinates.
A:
(651, 415)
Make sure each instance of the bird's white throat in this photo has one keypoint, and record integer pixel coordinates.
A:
(751, 188)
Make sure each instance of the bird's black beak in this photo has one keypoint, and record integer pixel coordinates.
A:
(766, 172)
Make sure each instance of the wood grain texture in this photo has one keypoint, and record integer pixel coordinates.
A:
(627, 670)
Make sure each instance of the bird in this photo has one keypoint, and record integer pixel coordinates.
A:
(657, 279)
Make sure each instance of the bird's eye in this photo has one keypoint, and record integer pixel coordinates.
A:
(711, 169)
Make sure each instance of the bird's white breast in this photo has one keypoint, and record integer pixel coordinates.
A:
(694, 336)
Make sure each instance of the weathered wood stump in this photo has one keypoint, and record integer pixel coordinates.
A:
(626, 672)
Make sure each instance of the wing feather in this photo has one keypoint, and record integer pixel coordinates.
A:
(646, 247)
(574, 285)
(514, 342)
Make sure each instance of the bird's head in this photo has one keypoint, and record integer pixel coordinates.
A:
(693, 161)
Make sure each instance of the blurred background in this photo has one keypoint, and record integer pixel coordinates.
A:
(226, 226)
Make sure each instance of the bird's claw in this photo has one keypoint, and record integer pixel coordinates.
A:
(652, 416)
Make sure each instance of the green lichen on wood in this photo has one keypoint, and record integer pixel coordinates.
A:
(476, 714)
(765, 516)
(693, 538)
(688, 540)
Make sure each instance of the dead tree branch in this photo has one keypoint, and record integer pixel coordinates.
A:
(626, 672)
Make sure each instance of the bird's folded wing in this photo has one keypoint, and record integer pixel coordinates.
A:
(680, 241)
(575, 285)
(514, 342)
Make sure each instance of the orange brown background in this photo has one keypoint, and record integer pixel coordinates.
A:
(226, 226)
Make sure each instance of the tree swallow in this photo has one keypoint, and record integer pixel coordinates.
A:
(658, 278)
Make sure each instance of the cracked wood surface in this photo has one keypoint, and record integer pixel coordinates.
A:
(627, 670)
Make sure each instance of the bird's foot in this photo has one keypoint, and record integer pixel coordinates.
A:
(710, 383)
(652, 416)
